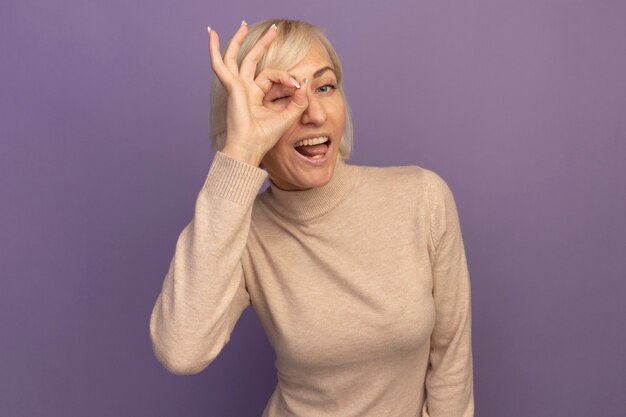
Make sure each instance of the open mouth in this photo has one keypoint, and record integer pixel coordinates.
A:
(313, 148)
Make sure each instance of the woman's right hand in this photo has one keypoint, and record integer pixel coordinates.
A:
(252, 129)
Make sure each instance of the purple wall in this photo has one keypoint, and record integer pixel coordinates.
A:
(519, 105)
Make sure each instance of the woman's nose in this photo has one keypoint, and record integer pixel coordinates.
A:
(315, 112)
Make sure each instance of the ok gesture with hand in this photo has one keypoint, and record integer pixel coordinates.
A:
(252, 129)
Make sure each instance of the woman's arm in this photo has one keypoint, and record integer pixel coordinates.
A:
(204, 292)
(449, 380)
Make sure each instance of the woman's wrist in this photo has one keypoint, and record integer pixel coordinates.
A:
(243, 154)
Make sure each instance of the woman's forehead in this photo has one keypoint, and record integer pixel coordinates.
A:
(314, 63)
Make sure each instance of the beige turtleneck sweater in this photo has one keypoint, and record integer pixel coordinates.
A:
(361, 286)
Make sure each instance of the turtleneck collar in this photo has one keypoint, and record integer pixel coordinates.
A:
(314, 202)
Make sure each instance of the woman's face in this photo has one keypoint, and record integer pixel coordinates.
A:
(311, 165)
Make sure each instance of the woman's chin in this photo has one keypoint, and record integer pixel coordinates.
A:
(305, 180)
(297, 172)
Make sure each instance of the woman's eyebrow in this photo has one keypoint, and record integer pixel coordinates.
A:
(321, 71)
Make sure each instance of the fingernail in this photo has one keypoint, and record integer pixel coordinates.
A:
(274, 27)
(208, 28)
(243, 22)
(295, 82)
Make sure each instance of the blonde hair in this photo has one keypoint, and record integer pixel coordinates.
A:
(292, 43)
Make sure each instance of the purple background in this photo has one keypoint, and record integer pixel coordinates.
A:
(519, 105)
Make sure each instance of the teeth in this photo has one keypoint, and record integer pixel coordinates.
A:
(312, 141)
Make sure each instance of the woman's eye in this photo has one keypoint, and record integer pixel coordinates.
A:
(326, 88)
(280, 98)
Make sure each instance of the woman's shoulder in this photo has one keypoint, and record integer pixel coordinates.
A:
(415, 175)
(413, 184)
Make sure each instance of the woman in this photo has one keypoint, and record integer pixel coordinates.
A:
(358, 274)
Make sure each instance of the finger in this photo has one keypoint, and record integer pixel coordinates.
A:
(248, 65)
(230, 56)
(269, 76)
(217, 64)
(298, 104)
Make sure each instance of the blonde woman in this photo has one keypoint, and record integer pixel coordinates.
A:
(357, 274)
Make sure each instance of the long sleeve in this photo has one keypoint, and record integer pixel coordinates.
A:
(449, 378)
(204, 292)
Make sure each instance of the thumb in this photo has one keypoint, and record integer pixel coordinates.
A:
(298, 104)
